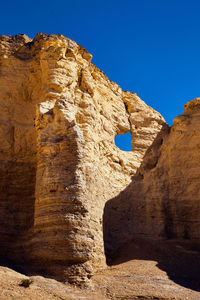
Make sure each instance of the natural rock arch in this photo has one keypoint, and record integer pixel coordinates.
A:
(60, 168)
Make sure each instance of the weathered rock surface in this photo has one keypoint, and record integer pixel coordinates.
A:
(59, 164)
(67, 192)
(163, 199)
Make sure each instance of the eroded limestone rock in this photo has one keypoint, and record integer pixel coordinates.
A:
(59, 164)
(162, 200)
(67, 192)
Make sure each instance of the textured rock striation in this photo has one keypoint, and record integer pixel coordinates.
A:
(163, 199)
(67, 192)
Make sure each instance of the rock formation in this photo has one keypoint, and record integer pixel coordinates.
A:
(67, 192)
(163, 199)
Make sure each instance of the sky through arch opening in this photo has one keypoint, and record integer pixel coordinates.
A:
(123, 141)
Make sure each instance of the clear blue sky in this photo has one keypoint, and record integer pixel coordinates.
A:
(151, 47)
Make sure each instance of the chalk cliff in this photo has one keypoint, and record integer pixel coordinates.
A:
(68, 194)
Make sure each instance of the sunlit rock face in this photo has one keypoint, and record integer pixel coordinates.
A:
(59, 164)
(68, 194)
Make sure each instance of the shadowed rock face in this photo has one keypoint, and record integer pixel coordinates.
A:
(163, 199)
(66, 190)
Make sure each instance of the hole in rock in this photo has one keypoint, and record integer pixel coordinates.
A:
(123, 141)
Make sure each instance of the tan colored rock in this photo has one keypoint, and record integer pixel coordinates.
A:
(182, 164)
(59, 164)
(69, 197)
(163, 199)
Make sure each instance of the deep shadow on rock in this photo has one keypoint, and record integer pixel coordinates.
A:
(180, 260)
(144, 222)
